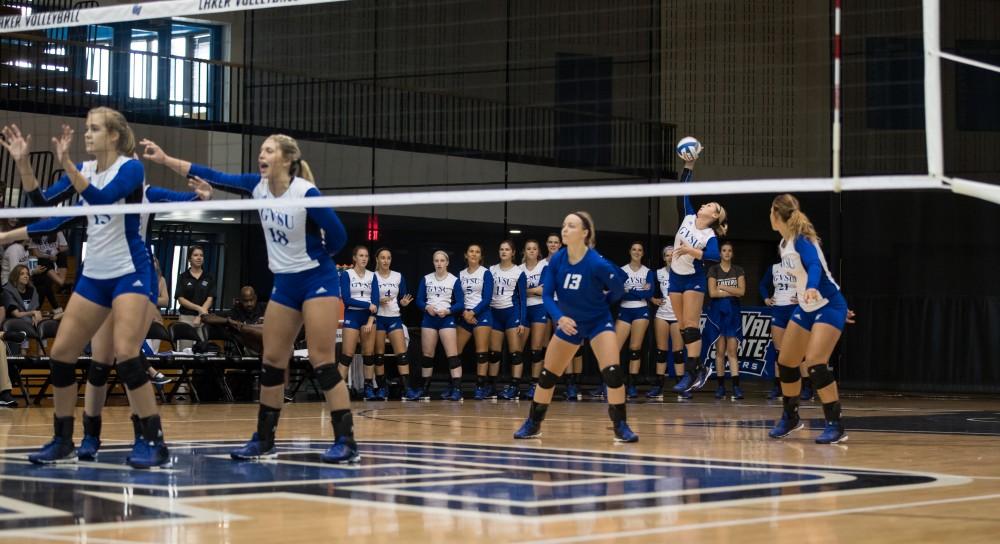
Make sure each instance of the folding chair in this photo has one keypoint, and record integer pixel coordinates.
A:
(178, 332)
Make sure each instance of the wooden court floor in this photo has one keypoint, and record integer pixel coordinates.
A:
(913, 470)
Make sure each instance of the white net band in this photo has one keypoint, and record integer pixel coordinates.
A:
(600, 192)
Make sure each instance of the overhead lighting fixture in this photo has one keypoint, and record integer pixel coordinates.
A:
(514, 231)
(229, 219)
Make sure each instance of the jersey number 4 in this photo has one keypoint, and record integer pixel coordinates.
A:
(278, 236)
(572, 281)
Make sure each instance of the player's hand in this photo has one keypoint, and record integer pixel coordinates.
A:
(521, 330)
(432, 311)
(769, 301)
(567, 325)
(850, 317)
(406, 300)
(152, 152)
(18, 146)
(203, 188)
(367, 328)
(61, 144)
(812, 295)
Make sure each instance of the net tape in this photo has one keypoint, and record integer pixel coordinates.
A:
(599, 192)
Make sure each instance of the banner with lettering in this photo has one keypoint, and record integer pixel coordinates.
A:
(756, 351)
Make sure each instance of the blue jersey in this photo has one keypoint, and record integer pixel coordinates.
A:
(585, 289)
(293, 237)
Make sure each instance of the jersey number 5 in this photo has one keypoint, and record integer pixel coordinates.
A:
(572, 281)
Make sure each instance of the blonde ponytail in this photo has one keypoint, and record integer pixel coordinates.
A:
(786, 208)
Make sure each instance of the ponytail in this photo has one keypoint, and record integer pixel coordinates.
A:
(786, 208)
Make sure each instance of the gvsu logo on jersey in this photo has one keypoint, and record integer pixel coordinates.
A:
(753, 347)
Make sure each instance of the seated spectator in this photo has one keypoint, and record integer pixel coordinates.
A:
(245, 320)
(50, 250)
(14, 255)
(195, 288)
(7, 400)
(20, 298)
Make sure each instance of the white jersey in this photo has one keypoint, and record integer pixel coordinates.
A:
(666, 310)
(293, 242)
(389, 287)
(114, 244)
(792, 262)
(440, 293)
(534, 279)
(472, 286)
(689, 235)
(784, 286)
(504, 286)
(360, 288)
(635, 279)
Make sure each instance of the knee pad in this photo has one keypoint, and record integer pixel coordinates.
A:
(328, 376)
(454, 362)
(345, 360)
(661, 356)
(536, 356)
(427, 362)
(516, 358)
(494, 357)
(380, 359)
(482, 358)
(368, 360)
(547, 380)
(821, 376)
(789, 374)
(613, 376)
(97, 374)
(690, 335)
(271, 376)
(402, 359)
(62, 374)
(634, 354)
(133, 373)
(579, 352)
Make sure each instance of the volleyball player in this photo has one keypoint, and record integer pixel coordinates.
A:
(476, 320)
(782, 302)
(508, 306)
(440, 297)
(586, 284)
(360, 306)
(815, 326)
(392, 296)
(306, 287)
(726, 283)
(694, 244)
(535, 316)
(553, 243)
(667, 331)
(115, 280)
(633, 314)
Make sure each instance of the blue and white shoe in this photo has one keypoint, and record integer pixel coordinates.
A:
(701, 378)
(623, 433)
(446, 394)
(382, 393)
(369, 392)
(479, 393)
(788, 424)
(529, 429)
(833, 433)
(413, 394)
(58, 451)
(631, 391)
(720, 392)
(807, 391)
(88, 448)
(685, 395)
(490, 391)
(511, 392)
(343, 451)
(685, 384)
(572, 392)
(599, 392)
(737, 392)
(531, 392)
(775, 393)
(656, 393)
(254, 449)
(454, 394)
(149, 454)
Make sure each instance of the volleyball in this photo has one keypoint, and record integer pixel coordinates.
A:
(689, 148)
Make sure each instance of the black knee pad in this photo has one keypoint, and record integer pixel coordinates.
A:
(613, 376)
(328, 376)
(482, 358)
(380, 359)
(690, 335)
(547, 380)
(494, 357)
(661, 356)
(402, 359)
(427, 362)
(634, 354)
(97, 374)
(271, 376)
(62, 374)
(368, 360)
(516, 358)
(536, 356)
(821, 376)
(789, 374)
(579, 352)
(454, 362)
(133, 373)
(345, 360)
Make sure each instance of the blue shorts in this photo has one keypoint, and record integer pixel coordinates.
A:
(781, 314)
(355, 319)
(628, 315)
(587, 330)
(103, 292)
(484, 319)
(505, 318)
(724, 315)
(687, 282)
(537, 314)
(388, 324)
(294, 288)
(438, 323)
(833, 314)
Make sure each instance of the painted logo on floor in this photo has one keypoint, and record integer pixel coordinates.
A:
(510, 482)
